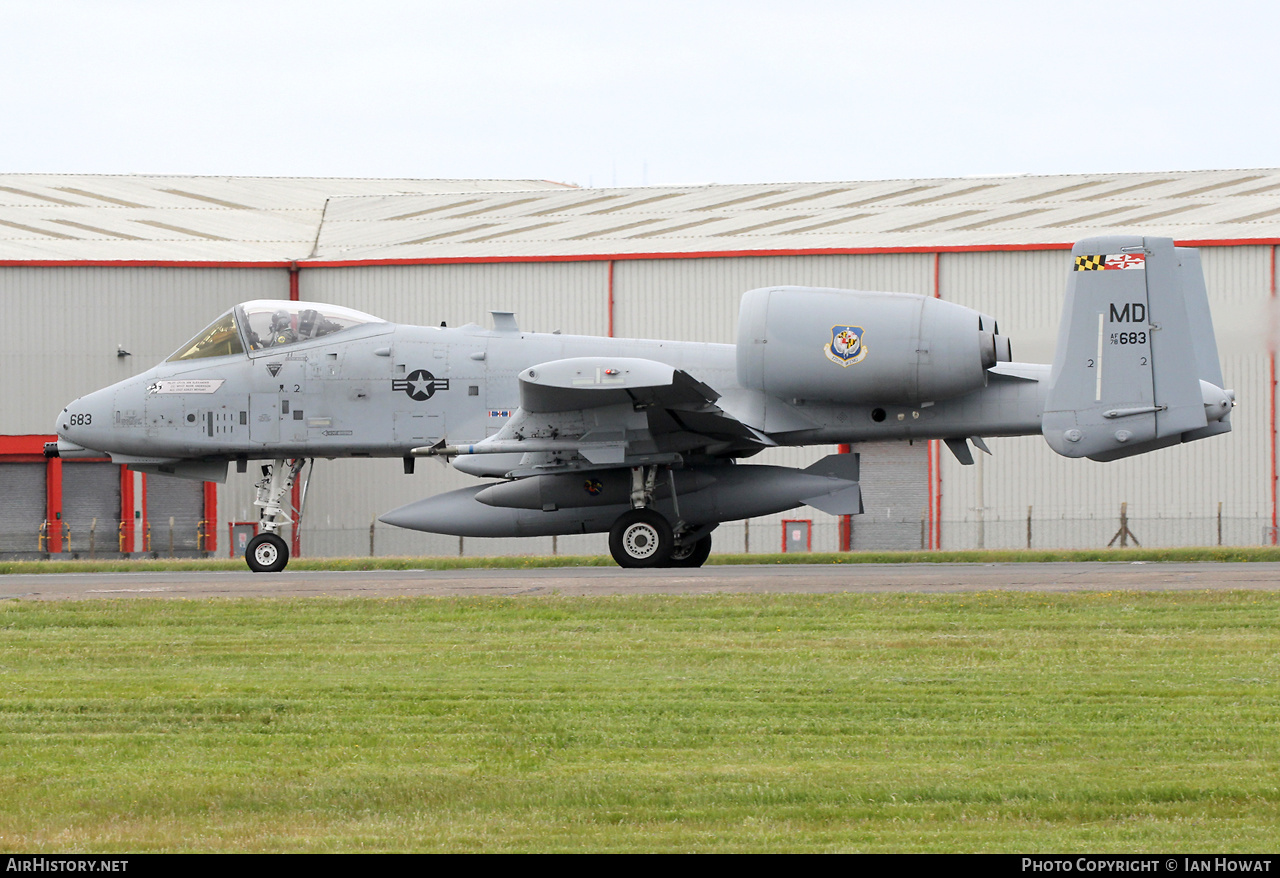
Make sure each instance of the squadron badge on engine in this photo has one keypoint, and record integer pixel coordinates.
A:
(846, 345)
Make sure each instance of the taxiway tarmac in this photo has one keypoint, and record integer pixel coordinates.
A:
(779, 579)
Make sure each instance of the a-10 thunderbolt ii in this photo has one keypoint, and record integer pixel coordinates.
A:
(640, 438)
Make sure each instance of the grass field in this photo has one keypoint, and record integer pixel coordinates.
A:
(1094, 722)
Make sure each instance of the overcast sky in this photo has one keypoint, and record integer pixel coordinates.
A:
(630, 93)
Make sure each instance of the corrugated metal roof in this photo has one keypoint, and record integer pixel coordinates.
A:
(888, 214)
(148, 217)
(279, 219)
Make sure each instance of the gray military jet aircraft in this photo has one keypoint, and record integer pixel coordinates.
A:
(639, 438)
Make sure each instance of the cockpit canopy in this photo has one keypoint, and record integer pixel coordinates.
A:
(269, 323)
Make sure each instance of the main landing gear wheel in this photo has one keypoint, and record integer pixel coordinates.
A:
(641, 538)
(267, 553)
(691, 554)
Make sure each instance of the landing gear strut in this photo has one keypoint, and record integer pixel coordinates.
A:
(268, 552)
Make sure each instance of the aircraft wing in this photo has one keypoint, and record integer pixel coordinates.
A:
(593, 412)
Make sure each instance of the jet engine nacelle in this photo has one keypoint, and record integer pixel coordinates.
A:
(863, 348)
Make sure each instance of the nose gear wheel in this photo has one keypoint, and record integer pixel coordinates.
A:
(266, 553)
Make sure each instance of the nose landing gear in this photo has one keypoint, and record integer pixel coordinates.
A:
(268, 552)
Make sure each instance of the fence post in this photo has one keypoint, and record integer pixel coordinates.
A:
(93, 539)
(1124, 534)
(746, 536)
(170, 536)
(371, 524)
(1028, 527)
(1219, 522)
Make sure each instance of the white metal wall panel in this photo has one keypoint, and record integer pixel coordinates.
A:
(22, 506)
(65, 324)
(545, 296)
(1023, 291)
(697, 299)
(345, 497)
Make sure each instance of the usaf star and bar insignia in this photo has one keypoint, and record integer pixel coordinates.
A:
(420, 385)
(846, 347)
(1112, 262)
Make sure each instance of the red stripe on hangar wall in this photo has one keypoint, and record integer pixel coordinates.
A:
(24, 445)
(593, 257)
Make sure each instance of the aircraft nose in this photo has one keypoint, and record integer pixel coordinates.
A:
(85, 421)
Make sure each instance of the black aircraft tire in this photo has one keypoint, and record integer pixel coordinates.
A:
(641, 538)
(691, 556)
(266, 553)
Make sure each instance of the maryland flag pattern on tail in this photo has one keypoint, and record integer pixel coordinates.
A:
(1112, 262)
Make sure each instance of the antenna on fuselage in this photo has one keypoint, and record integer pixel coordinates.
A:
(504, 321)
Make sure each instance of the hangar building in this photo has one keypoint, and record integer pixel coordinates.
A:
(103, 276)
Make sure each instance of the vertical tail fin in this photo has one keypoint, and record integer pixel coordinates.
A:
(1136, 367)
